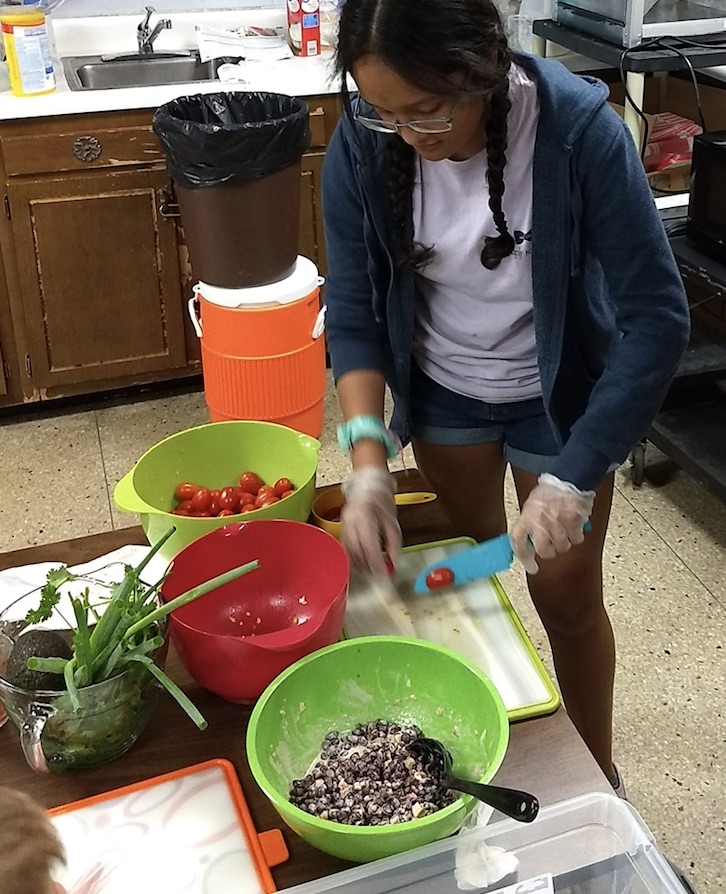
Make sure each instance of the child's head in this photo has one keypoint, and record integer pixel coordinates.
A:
(418, 60)
(29, 846)
(441, 46)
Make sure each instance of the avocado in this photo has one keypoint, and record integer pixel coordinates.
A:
(36, 644)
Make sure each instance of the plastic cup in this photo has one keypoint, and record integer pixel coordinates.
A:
(519, 31)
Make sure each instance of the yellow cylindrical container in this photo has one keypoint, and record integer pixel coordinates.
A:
(27, 48)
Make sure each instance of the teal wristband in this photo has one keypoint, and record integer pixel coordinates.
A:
(367, 427)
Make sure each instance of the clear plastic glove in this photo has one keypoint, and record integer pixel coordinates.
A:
(552, 520)
(369, 522)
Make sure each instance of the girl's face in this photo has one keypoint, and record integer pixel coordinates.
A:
(395, 99)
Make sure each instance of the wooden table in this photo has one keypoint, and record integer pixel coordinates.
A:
(545, 755)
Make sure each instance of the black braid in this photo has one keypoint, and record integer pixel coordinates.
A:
(401, 169)
(497, 247)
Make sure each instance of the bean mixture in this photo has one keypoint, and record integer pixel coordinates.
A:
(367, 777)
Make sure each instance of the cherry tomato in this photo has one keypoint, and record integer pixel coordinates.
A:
(214, 507)
(179, 511)
(263, 497)
(228, 500)
(267, 490)
(201, 514)
(224, 512)
(246, 499)
(267, 501)
(185, 490)
(215, 492)
(282, 485)
(286, 493)
(248, 507)
(439, 577)
(202, 500)
(250, 482)
(185, 505)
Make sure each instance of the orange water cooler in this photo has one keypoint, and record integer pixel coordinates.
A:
(263, 351)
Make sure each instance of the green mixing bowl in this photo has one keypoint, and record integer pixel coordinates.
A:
(214, 456)
(376, 677)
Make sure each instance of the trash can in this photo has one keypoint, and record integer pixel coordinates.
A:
(235, 159)
(263, 351)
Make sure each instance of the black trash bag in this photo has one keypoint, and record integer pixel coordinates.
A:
(216, 138)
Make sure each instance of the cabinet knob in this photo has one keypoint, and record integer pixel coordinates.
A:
(87, 148)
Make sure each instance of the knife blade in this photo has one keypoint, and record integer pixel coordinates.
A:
(483, 560)
(486, 559)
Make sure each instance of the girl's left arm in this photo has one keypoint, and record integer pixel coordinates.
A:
(622, 229)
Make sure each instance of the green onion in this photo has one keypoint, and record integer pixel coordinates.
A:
(191, 595)
(48, 665)
(173, 690)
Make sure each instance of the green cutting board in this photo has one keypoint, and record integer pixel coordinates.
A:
(477, 620)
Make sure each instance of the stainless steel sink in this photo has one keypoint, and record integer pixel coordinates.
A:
(135, 70)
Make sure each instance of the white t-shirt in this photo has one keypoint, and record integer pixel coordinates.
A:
(474, 329)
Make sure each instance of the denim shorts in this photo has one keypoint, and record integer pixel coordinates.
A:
(440, 416)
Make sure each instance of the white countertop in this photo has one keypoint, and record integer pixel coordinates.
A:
(117, 34)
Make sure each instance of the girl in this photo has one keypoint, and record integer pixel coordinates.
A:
(496, 257)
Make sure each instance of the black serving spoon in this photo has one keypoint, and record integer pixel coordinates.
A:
(438, 761)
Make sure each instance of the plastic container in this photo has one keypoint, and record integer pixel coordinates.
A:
(593, 844)
(263, 354)
(243, 234)
(235, 159)
(214, 455)
(238, 638)
(378, 677)
(27, 42)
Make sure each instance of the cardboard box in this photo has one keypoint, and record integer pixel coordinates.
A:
(303, 26)
(674, 177)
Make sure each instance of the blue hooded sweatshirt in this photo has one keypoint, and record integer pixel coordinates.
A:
(610, 313)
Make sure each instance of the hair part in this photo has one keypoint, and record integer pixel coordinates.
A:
(30, 847)
(433, 44)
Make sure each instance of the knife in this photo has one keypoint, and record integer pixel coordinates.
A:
(483, 560)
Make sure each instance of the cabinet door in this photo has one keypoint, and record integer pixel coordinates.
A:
(312, 236)
(99, 277)
(3, 380)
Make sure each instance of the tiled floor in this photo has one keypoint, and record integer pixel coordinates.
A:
(666, 590)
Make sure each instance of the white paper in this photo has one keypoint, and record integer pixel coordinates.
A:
(249, 44)
(109, 568)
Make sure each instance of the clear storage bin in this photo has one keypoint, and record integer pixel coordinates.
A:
(592, 844)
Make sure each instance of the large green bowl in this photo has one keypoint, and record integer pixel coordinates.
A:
(378, 677)
(214, 456)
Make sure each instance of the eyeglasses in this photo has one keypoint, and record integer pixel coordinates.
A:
(428, 125)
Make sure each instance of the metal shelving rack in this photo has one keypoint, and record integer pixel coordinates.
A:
(637, 61)
(691, 425)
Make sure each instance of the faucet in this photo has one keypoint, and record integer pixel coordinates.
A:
(146, 35)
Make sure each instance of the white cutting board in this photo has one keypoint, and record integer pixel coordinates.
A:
(187, 832)
(476, 620)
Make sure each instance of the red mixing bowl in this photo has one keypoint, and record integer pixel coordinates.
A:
(236, 639)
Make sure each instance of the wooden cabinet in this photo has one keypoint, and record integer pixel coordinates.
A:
(96, 278)
(324, 114)
(3, 378)
(99, 276)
